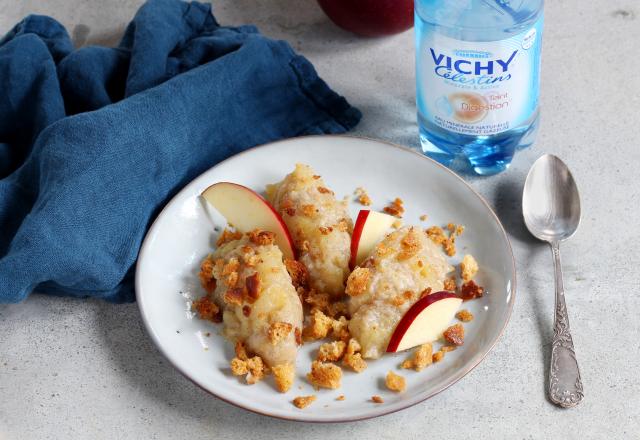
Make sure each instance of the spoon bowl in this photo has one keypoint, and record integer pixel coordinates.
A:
(550, 201)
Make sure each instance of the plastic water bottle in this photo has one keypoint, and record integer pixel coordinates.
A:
(477, 73)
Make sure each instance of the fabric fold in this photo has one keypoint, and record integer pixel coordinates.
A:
(125, 128)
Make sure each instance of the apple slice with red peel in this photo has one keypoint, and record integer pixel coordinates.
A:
(425, 321)
(247, 210)
(368, 230)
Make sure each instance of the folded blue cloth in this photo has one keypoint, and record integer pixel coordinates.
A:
(94, 141)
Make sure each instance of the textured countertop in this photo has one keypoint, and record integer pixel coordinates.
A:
(86, 369)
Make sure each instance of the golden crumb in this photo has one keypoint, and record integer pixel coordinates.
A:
(343, 225)
(340, 329)
(340, 397)
(468, 267)
(448, 348)
(207, 309)
(471, 290)
(422, 357)
(319, 326)
(352, 358)
(278, 332)
(261, 238)
(232, 279)
(234, 296)
(397, 224)
(288, 207)
(454, 334)
(395, 382)
(450, 284)
(438, 236)
(358, 281)
(438, 356)
(253, 287)
(298, 272)
(304, 401)
(325, 375)
(407, 364)
(241, 351)
(325, 231)
(309, 210)
(337, 308)
(464, 315)
(410, 245)
(331, 351)
(227, 236)
(395, 208)
(424, 217)
(377, 399)
(319, 301)
(323, 190)
(284, 375)
(231, 267)
(257, 370)
(362, 196)
(207, 280)
(239, 367)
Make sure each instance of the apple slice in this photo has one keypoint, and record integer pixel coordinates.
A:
(369, 229)
(424, 321)
(247, 210)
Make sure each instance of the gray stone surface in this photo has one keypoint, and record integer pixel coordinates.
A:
(86, 369)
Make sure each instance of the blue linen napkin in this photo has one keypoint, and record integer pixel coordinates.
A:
(94, 141)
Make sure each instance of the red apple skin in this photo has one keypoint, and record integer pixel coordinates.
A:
(411, 315)
(370, 18)
(357, 233)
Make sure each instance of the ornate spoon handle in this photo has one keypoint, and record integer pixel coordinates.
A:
(565, 385)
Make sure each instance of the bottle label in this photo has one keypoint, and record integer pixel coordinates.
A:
(479, 88)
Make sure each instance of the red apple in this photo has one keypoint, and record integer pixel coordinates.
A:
(369, 229)
(370, 18)
(247, 210)
(424, 321)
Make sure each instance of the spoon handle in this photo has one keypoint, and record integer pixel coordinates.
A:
(565, 385)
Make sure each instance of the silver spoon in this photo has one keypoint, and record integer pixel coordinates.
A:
(551, 210)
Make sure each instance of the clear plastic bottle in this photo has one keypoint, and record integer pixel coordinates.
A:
(477, 73)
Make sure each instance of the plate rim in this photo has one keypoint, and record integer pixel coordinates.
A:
(374, 413)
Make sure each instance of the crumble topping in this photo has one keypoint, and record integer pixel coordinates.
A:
(298, 335)
(340, 329)
(309, 211)
(468, 267)
(287, 206)
(304, 401)
(470, 290)
(325, 231)
(319, 326)
(424, 217)
(410, 245)
(323, 190)
(207, 309)
(239, 367)
(331, 351)
(395, 382)
(234, 296)
(278, 332)
(257, 370)
(261, 238)
(317, 301)
(298, 272)
(454, 334)
(205, 275)
(362, 196)
(227, 236)
(253, 284)
(352, 358)
(377, 399)
(325, 375)
(396, 224)
(395, 208)
(358, 281)
(450, 284)
(283, 375)
(438, 356)
(422, 357)
(343, 225)
(438, 236)
(448, 348)
(425, 292)
(340, 397)
(464, 315)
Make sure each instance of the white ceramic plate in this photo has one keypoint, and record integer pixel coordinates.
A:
(183, 234)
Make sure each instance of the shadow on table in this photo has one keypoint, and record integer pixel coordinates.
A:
(508, 204)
